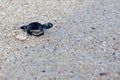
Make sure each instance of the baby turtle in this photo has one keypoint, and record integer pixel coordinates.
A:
(36, 28)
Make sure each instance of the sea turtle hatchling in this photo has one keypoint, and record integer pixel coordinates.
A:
(36, 28)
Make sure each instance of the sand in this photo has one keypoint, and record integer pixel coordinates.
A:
(84, 43)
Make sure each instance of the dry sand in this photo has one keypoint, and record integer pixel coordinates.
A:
(84, 43)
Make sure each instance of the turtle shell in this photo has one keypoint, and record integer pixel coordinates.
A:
(35, 28)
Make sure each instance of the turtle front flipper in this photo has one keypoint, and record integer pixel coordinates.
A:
(47, 26)
(29, 32)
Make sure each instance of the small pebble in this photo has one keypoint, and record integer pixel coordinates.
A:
(14, 33)
(93, 28)
(21, 37)
(32, 45)
(113, 53)
(43, 71)
(26, 47)
(114, 38)
(102, 74)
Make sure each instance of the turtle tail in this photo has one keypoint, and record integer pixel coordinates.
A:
(47, 26)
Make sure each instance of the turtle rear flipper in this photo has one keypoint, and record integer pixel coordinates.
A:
(47, 26)
(29, 32)
(23, 28)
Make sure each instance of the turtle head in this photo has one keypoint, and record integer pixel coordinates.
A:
(23, 28)
(47, 26)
